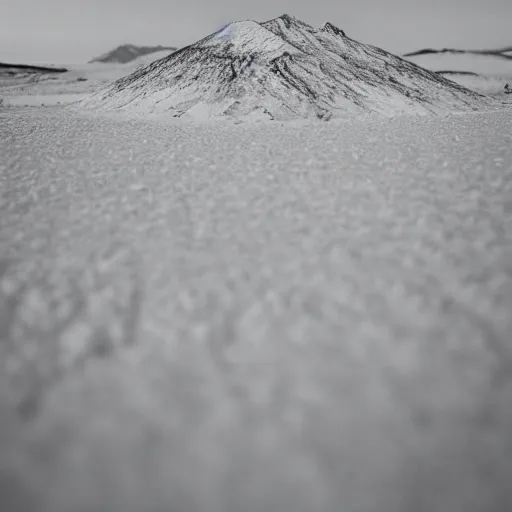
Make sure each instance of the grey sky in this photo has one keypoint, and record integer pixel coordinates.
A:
(68, 31)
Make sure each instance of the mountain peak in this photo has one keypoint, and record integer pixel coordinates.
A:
(242, 38)
(332, 29)
(287, 20)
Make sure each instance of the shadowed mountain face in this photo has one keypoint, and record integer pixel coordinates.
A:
(128, 52)
(283, 69)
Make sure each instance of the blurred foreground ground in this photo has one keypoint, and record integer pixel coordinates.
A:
(255, 318)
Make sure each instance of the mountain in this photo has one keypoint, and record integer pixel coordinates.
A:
(283, 69)
(128, 52)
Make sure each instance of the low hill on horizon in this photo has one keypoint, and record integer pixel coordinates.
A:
(486, 71)
(505, 53)
(128, 52)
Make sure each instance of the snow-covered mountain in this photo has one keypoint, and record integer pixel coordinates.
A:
(283, 69)
(128, 52)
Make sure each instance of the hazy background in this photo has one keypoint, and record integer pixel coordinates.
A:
(68, 31)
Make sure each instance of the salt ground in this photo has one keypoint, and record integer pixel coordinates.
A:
(255, 317)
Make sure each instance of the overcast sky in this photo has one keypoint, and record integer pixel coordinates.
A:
(69, 31)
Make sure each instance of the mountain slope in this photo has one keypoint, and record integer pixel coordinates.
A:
(485, 71)
(283, 69)
(128, 52)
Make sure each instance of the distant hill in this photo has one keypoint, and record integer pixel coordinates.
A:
(128, 52)
(505, 53)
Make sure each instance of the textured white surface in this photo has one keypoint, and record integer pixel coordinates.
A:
(255, 318)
